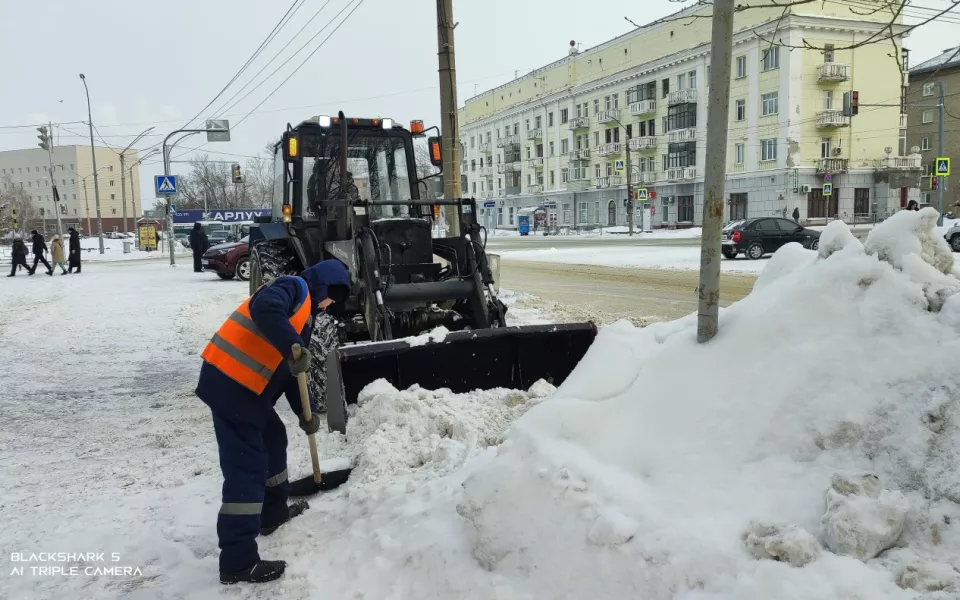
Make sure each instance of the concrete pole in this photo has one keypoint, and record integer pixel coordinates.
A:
(123, 192)
(53, 180)
(168, 223)
(629, 187)
(721, 49)
(940, 182)
(448, 113)
(93, 157)
(86, 201)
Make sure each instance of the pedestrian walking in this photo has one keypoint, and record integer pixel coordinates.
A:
(796, 214)
(913, 205)
(57, 255)
(39, 248)
(198, 244)
(74, 259)
(19, 252)
(247, 366)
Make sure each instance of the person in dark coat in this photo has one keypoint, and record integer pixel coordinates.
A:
(247, 366)
(39, 247)
(796, 214)
(73, 260)
(913, 205)
(19, 251)
(199, 244)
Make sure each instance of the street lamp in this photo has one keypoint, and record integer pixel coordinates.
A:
(93, 157)
(123, 179)
(133, 197)
(86, 200)
(629, 174)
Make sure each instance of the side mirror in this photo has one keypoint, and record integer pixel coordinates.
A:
(436, 156)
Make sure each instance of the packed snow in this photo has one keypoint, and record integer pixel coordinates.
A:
(686, 258)
(808, 451)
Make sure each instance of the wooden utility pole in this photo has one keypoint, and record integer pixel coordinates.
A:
(449, 129)
(718, 115)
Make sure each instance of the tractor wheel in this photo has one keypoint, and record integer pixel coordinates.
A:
(269, 260)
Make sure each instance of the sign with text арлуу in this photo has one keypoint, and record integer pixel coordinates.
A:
(227, 215)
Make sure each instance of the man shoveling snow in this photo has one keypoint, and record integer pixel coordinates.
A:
(247, 366)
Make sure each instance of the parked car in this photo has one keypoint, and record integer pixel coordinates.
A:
(229, 260)
(764, 235)
(220, 236)
(184, 239)
(953, 237)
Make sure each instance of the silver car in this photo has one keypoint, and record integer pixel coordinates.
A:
(953, 237)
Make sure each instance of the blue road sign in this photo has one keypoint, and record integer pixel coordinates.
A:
(173, 208)
(828, 189)
(166, 185)
(489, 204)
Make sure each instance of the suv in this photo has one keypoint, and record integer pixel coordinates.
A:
(953, 237)
(229, 260)
(765, 235)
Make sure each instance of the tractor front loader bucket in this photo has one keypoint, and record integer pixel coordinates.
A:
(505, 357)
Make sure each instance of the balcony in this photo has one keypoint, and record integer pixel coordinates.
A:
(608, 116)
(684, 174)
(832, 165)
(486, 171)
(830, 72)
(643, 107)
(511, 167)
(681, 97)
(535, 189)
(682, 135)
(609, 181)
(508, 140)
(832, 118)
(534, 134)
(903, 121)
(644, 177)
(579, 123)
(644, 143)
(485, 147)
(609, 149)
(901, 163)
(535, 163)
(486, 194)
(581, 154)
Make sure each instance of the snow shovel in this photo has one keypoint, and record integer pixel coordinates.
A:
(318, 482)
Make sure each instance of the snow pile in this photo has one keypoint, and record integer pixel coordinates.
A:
(820, 428)
(438, 334)
(425, 433)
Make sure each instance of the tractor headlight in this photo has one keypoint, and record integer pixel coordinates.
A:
(323, 121)
(388, 124)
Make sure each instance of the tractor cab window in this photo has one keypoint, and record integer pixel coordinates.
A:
(377, 171)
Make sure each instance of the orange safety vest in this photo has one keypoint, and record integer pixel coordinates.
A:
(241, 351)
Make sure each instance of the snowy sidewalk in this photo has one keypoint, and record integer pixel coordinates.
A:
(646, 257)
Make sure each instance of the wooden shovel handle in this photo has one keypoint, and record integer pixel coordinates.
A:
(307, 414)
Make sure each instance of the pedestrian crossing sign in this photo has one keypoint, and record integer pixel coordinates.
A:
(641, 193)
(166, 185)
(828, 189)
(943, 166)
(618, 166)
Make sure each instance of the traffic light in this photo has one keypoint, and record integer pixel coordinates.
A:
(44, 138)
(934, 183)
(237, 175)
(854, 103)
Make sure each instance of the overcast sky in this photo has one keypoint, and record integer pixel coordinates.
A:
(160, 63)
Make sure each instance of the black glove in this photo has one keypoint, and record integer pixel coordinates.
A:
(312, 426)
(300, 365)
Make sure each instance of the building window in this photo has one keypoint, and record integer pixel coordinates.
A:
(738, 207)
(474, 185)
(553, 179)
(74, 196)
(825, 144)
(550, 119)
(109, 168)
(551, 148)
(928, 116)
(516, 128)
(564, 146)
(692, 75)
(500, 216)
(681, 155)
(828, 53)
(861, 201)
(665, 87)
(681, 81)
(473, 165)
(827, 100)
(616, 100)
(113, 196)
(583, 213)
(597, 171)
(564, 175)
(511, 215)
(741, 107)
(740, 153)
(71, 166)
(596, 139)
(685, 209)
(681, 116)
(741, 67)
(113, 211)
(771, 58)
(564, 115)
(925, 143)
(768, 149)
(928, 89)
(526, 124)
(596, 105)
(538, 122)
(770, 103)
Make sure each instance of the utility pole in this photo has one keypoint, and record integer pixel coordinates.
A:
(629, 186)
(86, 201)
(93, 157)
(123, 192)
(940, 153)
(449, 129)
(718, 115)
(46, 142)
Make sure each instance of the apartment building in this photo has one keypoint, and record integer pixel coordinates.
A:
(29, 170)
(553, 138)
(922, 120)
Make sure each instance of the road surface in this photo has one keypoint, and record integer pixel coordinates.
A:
(605, 294)
(516, 242)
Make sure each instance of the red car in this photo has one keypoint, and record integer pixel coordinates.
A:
(229, 260)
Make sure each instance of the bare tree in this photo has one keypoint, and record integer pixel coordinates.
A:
(13, 197)
(432, 188)
(259, 178)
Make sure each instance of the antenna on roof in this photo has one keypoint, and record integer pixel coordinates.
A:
(573, 48)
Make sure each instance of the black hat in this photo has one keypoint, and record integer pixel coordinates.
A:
(338, 293)
(33, 231)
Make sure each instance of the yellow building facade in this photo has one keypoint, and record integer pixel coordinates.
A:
(557, 137)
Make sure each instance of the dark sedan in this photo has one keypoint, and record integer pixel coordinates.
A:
(765, 235)
(229, 260)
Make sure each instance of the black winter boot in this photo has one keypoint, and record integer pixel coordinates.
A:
(264, 570)
(296, 508)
